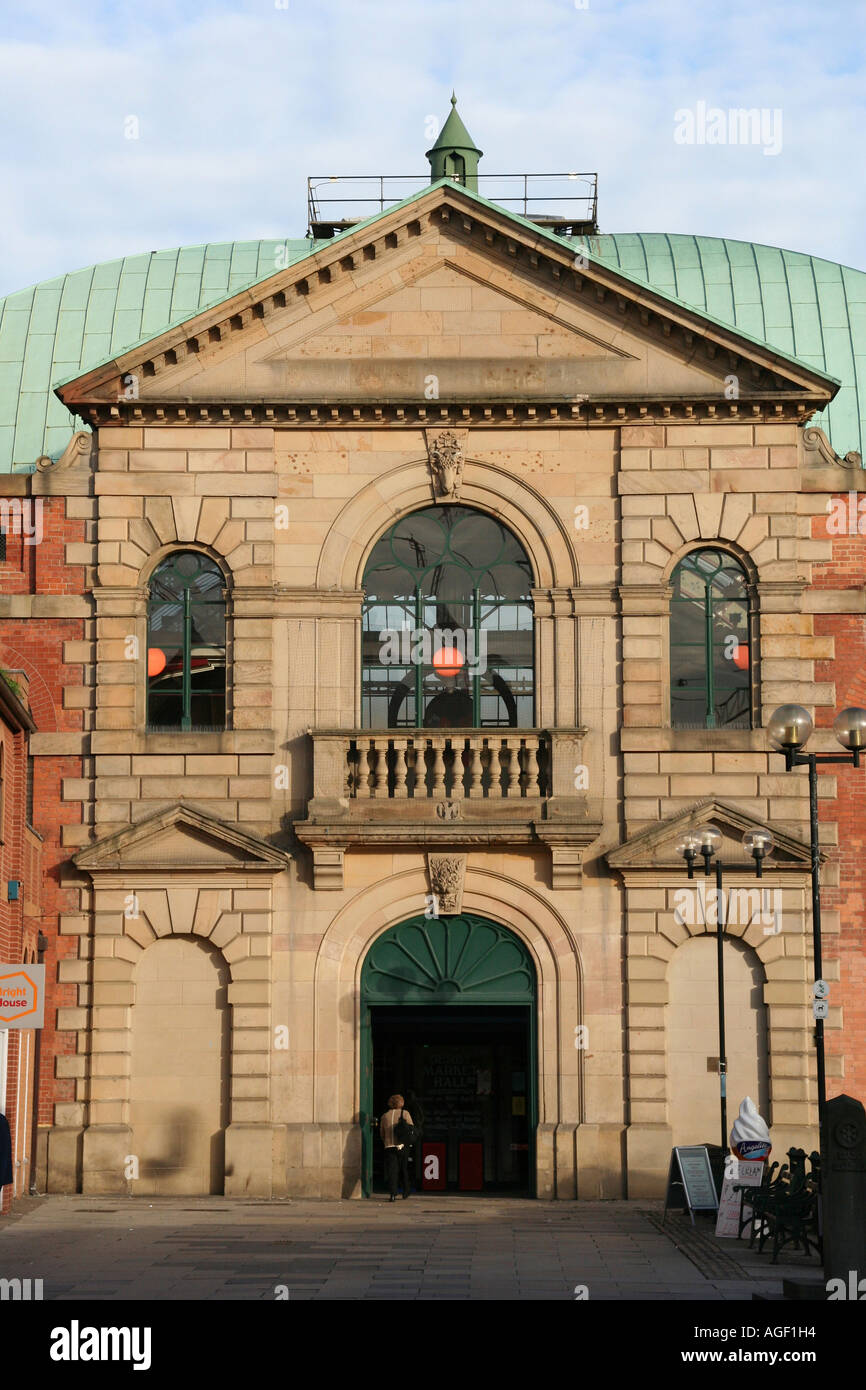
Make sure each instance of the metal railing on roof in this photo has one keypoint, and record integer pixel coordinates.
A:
(566, 203)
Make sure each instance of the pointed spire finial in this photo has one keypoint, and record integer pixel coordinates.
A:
(455, 155)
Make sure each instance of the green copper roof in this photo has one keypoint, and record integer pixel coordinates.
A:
(806, 307)
(812, 309)
(62, 327)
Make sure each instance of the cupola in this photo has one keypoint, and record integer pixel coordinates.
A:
(454, 156)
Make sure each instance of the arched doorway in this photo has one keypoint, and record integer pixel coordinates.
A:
(448, 1011)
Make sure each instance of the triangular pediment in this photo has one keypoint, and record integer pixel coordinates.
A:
(444, 298)
(181, 837)
(655, 848)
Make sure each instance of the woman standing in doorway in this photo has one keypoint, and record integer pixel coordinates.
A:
(396, 1153)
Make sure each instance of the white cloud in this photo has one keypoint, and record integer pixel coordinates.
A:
(237, 103)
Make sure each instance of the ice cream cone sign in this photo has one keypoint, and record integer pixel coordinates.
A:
(750, 1137)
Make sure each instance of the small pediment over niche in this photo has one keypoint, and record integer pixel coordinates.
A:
(181, 837)
(656, 847)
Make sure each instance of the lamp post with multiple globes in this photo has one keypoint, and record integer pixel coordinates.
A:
(706, 840)
(789, 729)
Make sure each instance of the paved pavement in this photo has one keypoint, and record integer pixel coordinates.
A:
(456, 1248)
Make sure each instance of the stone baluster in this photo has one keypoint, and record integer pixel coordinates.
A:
(438, 746)
(350, 770)
(400, 766)
(489, 769)
(532, 773)
(512, 765)
(362, 783)
(475, 768)
(457, 788)
(422, 771)
(379, 778)
(412, 768)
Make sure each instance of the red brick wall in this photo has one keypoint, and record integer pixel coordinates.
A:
(20, 862)
(846, 570)
(36, 647)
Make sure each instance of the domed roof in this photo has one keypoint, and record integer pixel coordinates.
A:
(810, 308)
(61, 327)
(813, 309)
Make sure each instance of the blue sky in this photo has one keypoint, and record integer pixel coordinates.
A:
(237, 102)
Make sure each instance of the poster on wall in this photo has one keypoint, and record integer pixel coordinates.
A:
(22, 996)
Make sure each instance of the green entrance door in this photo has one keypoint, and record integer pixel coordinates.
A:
(448, 1011)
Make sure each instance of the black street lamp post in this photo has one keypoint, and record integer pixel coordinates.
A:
(789, 729)
(707, 841)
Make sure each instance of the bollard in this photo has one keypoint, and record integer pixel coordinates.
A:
(843, 1185)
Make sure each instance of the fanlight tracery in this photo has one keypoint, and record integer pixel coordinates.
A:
(447, 624)
(463, 959)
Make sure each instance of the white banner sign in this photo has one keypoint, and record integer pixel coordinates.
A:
(22, 996)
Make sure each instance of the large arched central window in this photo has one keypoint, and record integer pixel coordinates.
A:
(447, 625)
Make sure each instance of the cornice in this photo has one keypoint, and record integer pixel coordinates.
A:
(497, 414)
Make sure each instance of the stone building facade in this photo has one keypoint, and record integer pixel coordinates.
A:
(239, 903)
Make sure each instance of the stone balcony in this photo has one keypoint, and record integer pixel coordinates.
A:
(448, 788)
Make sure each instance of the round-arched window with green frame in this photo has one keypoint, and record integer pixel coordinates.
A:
(711, 643)
(186, 643)
(447, 631)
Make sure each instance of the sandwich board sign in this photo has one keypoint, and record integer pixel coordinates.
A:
(746, 1173)
(22, 996)
(690, 1171)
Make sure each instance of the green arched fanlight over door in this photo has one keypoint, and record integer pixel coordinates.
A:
(453, 960)
(460, 961)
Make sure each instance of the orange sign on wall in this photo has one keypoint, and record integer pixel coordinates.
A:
(22, 996)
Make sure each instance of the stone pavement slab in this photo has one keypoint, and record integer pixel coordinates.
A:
(459, 1248)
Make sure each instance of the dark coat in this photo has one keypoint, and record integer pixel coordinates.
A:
(417, 1115)
(5, 1152)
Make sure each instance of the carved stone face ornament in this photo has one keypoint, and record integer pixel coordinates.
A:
(446, 465)
(447, 873)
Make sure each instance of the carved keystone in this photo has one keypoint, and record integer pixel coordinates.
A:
(447, 874)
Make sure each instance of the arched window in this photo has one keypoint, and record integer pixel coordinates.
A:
(186, 644)
(455, 167)
(711, 643)
(447, 625)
